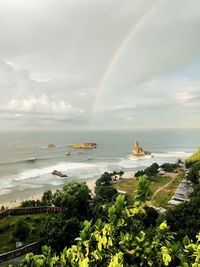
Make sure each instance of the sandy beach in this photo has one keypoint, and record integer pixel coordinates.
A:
(91, 184)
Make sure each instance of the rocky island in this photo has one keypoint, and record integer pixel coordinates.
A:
(51, 145)
(58, 173)
(84, 145)
(139, 151)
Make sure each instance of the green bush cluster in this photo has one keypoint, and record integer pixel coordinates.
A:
(149, 171)
(169, 167)
(194, 173)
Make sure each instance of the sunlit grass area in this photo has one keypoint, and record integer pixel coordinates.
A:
(163, 196)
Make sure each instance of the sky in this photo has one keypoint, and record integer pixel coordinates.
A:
(99, 64)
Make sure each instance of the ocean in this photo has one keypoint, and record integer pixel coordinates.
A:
(26, 162)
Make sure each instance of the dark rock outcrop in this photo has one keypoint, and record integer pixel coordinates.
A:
(58, 173)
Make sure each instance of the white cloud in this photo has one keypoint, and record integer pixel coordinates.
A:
(40, 107)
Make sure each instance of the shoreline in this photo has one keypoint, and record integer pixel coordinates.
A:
(91, 185)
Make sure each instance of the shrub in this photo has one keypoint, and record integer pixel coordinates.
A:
(194, 173)
(139, 173)
(152, 170)
(169, 167)
(21, 230)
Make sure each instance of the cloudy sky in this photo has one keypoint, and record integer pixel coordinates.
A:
(99, 64)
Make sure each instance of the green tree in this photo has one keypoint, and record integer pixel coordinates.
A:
(152, 170)
(139, 173)
(105, 179)
(105, 193)
(75, 202)
(47, 198)
(21, 230)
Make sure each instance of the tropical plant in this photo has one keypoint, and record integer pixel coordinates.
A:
(143, 193)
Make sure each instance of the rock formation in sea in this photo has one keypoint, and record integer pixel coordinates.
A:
(51, 145)
(139, 151)
(58, 173)
(84, 145)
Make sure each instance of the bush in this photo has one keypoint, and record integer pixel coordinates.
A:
(169, 167)
(194, 173)
(139, 173)
(21, 230)
(152, 170)
(105, 193)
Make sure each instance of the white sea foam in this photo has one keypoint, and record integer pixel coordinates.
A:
(69, 168)
(38, 177)
(134, 162)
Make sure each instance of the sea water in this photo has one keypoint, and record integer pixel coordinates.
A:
(26, 162)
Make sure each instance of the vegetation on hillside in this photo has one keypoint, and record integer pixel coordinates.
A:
(114, 230)
(153, 170)
(193, 158)
(11, 230)
(122, 239)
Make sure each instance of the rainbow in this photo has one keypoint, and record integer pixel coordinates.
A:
(116, 55)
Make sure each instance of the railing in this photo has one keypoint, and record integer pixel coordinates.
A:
(29, 210)
(33, 247)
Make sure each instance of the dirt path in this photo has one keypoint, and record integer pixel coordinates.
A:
(164, 186)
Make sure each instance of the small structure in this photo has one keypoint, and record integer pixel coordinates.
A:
(182, 193)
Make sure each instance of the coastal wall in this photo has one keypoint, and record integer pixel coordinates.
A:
(5, 257)
(29, 210)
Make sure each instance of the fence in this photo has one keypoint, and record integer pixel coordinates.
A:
(33, 247)
(29, 210)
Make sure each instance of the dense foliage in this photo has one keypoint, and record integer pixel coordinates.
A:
(21, 230)
(115, 243)
(194, 173)
(193, 159)
(149, 172)
(118, 230)
(75, 201)
(169, 167)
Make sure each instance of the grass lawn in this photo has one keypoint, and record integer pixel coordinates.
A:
(36, 223)
(162, 197)
(130, 185)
